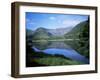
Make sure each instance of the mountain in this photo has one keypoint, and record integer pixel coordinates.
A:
(29, 32)
(68, 32)
(59, 31)
(81, 32)
(41, 33)
(75, 32)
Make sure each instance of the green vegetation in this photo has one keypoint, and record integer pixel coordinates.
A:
(76, 31)
(42, 59)
(81, 32)
(77, 38)
(54, 61)
(41, 33)
(76, 45)
(84, 40)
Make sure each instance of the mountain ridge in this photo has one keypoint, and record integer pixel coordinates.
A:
(76, 30)
(53, 32)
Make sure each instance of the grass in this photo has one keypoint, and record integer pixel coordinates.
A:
(54, 61)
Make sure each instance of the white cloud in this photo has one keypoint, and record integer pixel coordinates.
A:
(52, 18)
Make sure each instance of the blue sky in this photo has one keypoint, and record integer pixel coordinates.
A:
(52, 21)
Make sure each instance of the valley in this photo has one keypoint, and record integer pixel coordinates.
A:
(63, 46)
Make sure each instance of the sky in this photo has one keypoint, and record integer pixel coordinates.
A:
(52, 21)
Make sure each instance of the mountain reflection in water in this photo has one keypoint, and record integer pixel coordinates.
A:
(59, 47)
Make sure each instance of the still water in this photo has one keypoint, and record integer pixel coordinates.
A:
(59, 48)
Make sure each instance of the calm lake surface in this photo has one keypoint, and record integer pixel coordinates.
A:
(59, 47)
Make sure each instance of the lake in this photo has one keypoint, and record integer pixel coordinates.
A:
(61, 48)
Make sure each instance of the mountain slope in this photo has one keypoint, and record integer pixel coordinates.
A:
(81, 32)
(29, 32)
(75, 32)
(41, 33)
(59, 31)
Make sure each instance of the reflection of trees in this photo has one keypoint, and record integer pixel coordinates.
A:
(81, 45)
(74, 44)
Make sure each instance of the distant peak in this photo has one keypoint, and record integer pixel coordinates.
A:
(41, 28)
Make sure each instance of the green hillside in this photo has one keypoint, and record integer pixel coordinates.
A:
(80, 32)
(41, 33)
(29, 34)
(75, 32)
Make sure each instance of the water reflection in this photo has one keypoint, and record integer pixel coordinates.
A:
(59, 47)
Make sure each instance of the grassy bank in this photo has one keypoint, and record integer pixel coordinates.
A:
(56, 61)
